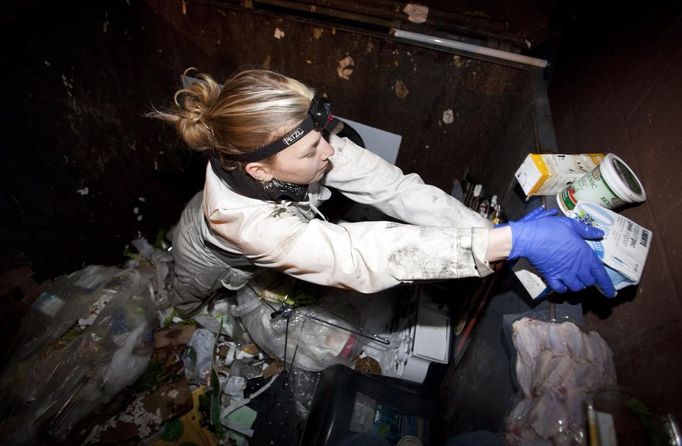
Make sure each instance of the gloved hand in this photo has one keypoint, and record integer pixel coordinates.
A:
(556, 247)
(539, 212)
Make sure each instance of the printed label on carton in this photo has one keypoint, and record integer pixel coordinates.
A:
(625, 245)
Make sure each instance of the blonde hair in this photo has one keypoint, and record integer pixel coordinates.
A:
(249, 111)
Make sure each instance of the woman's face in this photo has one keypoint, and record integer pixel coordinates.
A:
(304, 162)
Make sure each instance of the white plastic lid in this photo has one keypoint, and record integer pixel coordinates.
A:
(621, 179)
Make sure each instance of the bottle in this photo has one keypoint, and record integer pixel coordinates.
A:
(484, 208)
(457, 190)
(476, 197)
(497, 217)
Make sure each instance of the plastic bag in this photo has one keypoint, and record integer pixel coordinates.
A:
(50, 389)
(66, 299)
(315, 338)
(556, 366)
(216, 317)
(198, 356)
(157, 265)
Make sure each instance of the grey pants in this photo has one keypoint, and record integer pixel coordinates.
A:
(202, 269)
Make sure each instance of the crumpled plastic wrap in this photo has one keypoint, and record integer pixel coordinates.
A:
(557, 366)
(67, 299)
(50, 387)
(198, 356)
(311, 344)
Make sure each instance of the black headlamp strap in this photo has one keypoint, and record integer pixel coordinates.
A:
(279, 144)
(318, 116)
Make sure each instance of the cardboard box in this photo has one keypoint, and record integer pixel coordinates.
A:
(625, 245)
(419, 338)
(549, 174)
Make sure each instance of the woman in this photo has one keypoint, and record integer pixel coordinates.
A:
(271, 164)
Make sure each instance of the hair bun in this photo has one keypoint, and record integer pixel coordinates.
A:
(194, 109)
(252, 108)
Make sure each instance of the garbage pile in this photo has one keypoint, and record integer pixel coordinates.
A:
(102, 358)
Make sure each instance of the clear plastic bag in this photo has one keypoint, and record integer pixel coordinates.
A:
(198, 356)
(65, 300)
(315, 338)
(556, 365)
(50, 389)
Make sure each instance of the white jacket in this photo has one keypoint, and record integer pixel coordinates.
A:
(224, 237)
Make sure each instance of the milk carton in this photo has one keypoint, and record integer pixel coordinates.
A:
(549, 174)
(625, 245)
(623, 250)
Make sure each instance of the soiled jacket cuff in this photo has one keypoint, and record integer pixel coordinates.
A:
(477, 243)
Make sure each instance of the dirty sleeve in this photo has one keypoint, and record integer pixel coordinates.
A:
(366, 178)
(365, 256)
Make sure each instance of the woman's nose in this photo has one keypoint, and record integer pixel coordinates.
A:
(327, 152)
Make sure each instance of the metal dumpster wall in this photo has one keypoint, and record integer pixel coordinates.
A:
(84, 172)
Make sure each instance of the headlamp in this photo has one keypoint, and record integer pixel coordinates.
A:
(318, 116)
(320, 112)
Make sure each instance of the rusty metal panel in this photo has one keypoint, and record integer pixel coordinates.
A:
(400, 88)
(520, 24)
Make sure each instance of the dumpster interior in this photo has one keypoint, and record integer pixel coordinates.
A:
(91, 187)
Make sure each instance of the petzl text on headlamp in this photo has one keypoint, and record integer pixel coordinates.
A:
(318, 116)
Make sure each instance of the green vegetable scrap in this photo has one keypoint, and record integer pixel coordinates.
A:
(653, 424)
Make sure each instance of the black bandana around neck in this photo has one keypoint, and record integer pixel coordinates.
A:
(246, 185)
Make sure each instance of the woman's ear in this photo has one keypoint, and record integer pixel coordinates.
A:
(258, 171)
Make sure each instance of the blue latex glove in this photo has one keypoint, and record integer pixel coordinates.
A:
(556, 247)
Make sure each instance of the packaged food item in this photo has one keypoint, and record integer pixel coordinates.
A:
(611, 184)
(549, 174)
(623, 250)
(625, 245)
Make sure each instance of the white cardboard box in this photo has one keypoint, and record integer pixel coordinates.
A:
(418, 340)
(549, 174)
